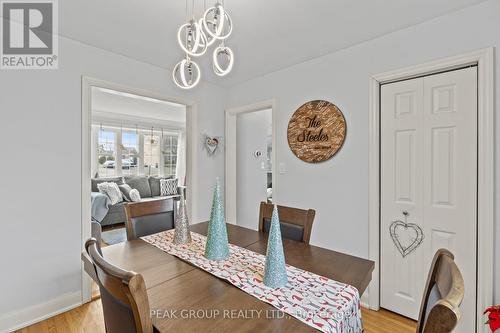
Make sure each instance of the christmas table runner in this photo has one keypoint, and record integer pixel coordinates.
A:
(322, 303)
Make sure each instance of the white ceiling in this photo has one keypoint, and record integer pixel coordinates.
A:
(267, 35)
(128, 108)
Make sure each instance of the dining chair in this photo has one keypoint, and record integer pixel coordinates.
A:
(295, 223)
(95, 232)
(124, 298)
(149, 217)
(443, 294)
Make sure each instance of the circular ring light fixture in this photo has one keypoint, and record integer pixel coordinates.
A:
(195, 37)
(221, 21)
(209, 40)
(218, 69)
(194, 43)
(189, 67)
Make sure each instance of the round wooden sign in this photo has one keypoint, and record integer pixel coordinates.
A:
(316, 131)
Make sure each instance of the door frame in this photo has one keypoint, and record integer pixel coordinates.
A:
(230, 153)
(484, 59)
(86, 114)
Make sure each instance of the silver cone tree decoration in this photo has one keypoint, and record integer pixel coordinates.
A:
(275, 270)
(182, 234)
(217, 247)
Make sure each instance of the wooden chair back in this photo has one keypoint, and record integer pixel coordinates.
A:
(123, 294)
(443, 294)
(95, 232)
(288, 215)
(149, 217)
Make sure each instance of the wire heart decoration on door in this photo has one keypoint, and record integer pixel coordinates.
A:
(412, 241)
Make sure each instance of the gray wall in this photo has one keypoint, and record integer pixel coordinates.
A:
(40, 113)
(338, 189)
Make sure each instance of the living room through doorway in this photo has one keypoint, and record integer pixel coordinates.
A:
(135, 142)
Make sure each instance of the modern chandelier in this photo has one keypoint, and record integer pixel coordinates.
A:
(196, 36)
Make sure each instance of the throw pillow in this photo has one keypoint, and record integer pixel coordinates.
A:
(168, 187)
(125, 189)
(112, 191)
(134, 195)
(140, 183)
(154, 183)
(95, 181)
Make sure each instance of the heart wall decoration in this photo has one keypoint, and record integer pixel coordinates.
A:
(211, 144)
(407, 237)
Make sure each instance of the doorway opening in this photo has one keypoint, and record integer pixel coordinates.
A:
(250, 162)
(136, 140)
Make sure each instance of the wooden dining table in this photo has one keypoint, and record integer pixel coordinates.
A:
(184, 298)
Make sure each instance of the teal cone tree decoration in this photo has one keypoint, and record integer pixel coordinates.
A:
(182, 234)
(217, 247)
(275, 271)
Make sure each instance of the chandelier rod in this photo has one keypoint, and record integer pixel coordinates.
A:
(186, 10)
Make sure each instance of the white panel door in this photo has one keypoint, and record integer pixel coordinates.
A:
(402, 279)
(429, 169)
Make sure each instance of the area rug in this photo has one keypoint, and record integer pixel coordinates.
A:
(114, 236)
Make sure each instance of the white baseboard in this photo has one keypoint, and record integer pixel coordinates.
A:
(15, 320)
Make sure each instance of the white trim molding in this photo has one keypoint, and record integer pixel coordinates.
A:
(230, 153)
(191, 156)
(115, 119)
(484, 59)
(18, 319)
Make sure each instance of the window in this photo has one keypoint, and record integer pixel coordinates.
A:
(151, 155)
(130, 153)
(169, 155)
(106, 153)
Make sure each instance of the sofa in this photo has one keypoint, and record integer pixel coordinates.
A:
(148, 187)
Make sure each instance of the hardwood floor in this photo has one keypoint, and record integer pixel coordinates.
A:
(384, 321)
(88, 319)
